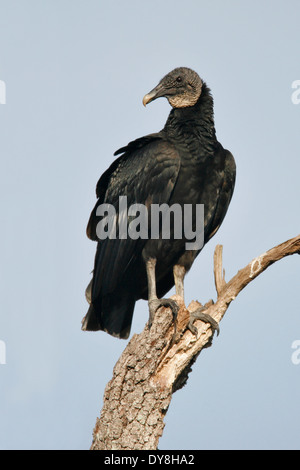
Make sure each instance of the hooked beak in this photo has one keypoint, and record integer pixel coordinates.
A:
(157, 92)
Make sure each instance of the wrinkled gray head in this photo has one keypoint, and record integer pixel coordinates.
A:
(182, 88)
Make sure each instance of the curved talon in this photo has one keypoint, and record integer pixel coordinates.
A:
(155, 304)
(200, 315)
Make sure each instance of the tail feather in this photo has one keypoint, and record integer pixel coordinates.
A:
(112, 313)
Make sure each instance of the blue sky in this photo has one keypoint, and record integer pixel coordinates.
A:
(75, 75)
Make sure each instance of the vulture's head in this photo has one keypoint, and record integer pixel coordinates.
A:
(182, 88)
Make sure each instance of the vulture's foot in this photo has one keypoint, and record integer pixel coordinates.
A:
(155, 304)
(200, 315)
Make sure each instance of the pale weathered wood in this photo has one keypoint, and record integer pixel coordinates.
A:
(154, 364)
(219, 275)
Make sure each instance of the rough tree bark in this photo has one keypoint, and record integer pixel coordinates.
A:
(154, 365)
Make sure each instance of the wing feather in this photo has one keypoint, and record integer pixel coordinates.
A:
(143, 174)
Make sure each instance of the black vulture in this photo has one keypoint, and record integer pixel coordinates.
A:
(183, 164)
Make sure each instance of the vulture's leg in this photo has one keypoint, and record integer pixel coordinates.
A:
(153, 302)
(179, 273)
(200, 315)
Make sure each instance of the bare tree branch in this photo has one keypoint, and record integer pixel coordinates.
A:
(219, 276)
(153, 366)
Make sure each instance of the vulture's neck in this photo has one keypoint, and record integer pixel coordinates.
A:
(194, 125)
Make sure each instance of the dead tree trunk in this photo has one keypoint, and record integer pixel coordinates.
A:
(152, 367)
